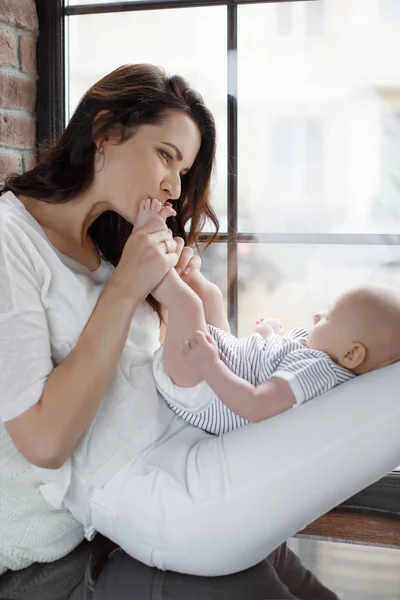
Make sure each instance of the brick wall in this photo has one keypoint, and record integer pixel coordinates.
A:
(18, 32)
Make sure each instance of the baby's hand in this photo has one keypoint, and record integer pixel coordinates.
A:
(267, 326)
(200, 352)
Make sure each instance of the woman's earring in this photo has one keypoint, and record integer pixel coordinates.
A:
(102, 157)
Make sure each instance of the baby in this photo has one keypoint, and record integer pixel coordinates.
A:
(219, 382)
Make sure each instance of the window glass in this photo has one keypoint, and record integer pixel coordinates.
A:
(313, 114)
(293, 281)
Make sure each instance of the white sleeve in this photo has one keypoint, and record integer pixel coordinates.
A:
(25, 351)
(308, 373)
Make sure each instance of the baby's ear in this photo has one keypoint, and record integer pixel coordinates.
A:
(355, 355)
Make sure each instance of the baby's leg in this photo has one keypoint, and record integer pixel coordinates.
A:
(185, 316)
(184, 304)
(185, 309)
(212, 298)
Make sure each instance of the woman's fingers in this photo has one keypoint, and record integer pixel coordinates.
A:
(194, 264)
(171, 260)
(184, 259)
(180, 244)
(160, 236)
(187, 261)
(170, 246)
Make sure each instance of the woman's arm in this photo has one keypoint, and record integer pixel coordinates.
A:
(47, 433)
(254, 403)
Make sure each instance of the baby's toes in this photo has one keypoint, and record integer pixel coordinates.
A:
(144, 206)
(167, 211)
(156, 205)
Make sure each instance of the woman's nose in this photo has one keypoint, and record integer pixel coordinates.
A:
(172, 187)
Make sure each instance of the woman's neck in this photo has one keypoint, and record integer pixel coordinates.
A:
(66, 226)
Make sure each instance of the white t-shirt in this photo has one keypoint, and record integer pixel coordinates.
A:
(45, 301)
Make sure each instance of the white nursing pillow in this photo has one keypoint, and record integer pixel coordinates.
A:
(315, 456)
(331, 447)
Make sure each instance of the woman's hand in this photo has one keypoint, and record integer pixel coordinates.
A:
(145, 261)
(188, 261)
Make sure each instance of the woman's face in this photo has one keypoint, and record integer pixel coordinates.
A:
(149, 164)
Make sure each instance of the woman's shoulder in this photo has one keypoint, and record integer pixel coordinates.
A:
(14, 218)
(19, 232)
(25, 256)
(9, 204)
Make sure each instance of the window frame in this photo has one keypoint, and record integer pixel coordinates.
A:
(383, 495)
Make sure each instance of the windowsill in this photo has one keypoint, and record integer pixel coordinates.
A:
(370, 517)
(382, 496)
(356, 525)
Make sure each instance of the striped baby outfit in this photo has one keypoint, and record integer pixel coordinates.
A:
(255, 359)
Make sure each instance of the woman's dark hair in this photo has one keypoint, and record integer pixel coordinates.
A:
(130, 96)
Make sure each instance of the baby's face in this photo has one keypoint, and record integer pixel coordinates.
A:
(330, 332)
(322, 335)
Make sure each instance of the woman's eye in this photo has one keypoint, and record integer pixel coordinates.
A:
(167, 157)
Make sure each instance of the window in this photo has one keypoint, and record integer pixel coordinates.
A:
(308, 198)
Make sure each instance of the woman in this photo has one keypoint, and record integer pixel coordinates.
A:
(66, 313)
(78, 332)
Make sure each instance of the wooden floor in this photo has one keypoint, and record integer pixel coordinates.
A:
(352, 571)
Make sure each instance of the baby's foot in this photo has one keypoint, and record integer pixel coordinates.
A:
(152, 209)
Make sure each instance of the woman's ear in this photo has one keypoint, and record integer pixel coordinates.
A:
(99, 122)
(354, 356)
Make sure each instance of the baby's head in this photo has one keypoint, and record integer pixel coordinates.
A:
(362, 330)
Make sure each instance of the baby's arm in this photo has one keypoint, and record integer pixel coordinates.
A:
(254, 403)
